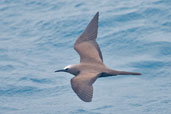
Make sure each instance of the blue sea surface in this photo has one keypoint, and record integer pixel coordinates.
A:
(37, 38)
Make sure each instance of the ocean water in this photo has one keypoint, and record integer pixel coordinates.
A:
(37, 38)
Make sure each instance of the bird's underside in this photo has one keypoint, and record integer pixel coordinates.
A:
(91, 63)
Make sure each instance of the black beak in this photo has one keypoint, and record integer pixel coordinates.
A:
(61, 70)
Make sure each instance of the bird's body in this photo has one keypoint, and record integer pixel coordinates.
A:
(91, 64)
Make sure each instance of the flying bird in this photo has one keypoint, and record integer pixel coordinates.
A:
(91, 64)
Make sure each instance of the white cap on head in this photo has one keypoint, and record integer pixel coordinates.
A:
(69, 66)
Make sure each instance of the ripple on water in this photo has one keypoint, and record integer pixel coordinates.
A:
(36, 36)
(18, 90)
(5, 68)
(36, 80)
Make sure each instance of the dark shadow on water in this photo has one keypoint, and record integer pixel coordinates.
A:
(103, 107)
(40, 80)
(82, 111)
(36, 80)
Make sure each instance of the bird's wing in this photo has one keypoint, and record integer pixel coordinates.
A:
(86, 44)
(82, 85)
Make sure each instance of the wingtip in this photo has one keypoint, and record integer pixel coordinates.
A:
(86, 100)
(97, 14)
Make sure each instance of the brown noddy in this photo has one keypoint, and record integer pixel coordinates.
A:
(91, 64)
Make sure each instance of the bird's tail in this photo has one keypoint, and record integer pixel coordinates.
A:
(128, 73)
(116, 72)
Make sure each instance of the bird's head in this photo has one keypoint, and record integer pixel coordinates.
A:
(65, 69)
(70, 69)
